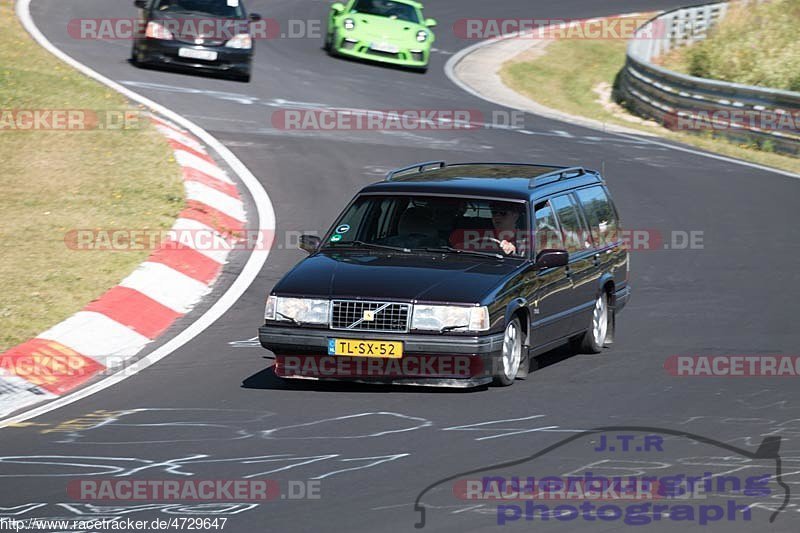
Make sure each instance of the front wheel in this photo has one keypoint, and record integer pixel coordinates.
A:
(509, 363)
(595, 337)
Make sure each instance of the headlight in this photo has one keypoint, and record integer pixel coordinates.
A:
(299, 310)
(242, 40)
(155, 30)
(446, 317)
(349, 24)
(422, 36)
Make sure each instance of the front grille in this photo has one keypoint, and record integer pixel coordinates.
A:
(387, 316)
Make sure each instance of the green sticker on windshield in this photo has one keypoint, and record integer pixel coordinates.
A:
(336, 238)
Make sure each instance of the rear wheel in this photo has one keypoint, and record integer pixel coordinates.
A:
(595, 337)
(509, 363)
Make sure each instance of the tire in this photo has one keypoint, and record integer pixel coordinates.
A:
(328, 42)
(509, 363)
(595, 337)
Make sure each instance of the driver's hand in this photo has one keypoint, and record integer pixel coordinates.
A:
(508, 248)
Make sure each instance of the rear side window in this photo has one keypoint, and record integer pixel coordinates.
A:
(574, 234)
(546, 229)
(600, 215)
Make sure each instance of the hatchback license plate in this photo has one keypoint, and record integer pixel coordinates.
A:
(191, 53)
(365, 348)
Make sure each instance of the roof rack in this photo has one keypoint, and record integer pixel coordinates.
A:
(419, 167)
(560, 174)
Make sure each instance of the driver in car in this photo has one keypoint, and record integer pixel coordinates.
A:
(504, 220)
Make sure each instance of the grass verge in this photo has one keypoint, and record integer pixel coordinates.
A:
(55, 181)
(576, 76)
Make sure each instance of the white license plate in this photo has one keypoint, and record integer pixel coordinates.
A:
(385, 47)
(206, 55)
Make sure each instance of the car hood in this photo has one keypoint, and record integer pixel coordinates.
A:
(446, 278)
(373, 27)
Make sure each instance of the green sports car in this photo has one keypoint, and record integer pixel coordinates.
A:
(388, 31)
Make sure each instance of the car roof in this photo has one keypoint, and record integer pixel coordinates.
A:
(513, 181)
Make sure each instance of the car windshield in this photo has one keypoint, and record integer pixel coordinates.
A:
(215, 8)
(386, 8)
(449, 224)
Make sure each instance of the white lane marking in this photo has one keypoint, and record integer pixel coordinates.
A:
(421, 423)
(97, 336)
(251, 269)
(166, 285)
(196, 229)
(222, 95)
(186, 159)
(220, 201)
(450, 67)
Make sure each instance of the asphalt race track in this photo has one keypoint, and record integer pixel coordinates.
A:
(214, 409)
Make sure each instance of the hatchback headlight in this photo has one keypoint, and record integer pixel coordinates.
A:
(241, 40)
(155, 30)
(449, 317)
(299, 310)
(349, 24)
(422, 36)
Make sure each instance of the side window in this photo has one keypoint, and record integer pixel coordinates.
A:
(575, 236)
(600, 215)
(546, 229)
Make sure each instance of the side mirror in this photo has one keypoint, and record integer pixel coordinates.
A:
(140, 3)
(309, 243)
(254, 17)
(431, 23)
(551, 258)
(337, 7)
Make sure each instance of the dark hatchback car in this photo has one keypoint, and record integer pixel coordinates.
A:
(207, 35)
(453, 275)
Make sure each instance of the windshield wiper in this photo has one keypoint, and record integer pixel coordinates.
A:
(450, 249)
(369, 245)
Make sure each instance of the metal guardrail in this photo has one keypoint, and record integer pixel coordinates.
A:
(678, 101)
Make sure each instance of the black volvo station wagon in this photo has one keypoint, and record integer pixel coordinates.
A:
(453, 274)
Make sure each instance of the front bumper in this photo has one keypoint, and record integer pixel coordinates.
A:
(165, 52)
(414, 57)
(456, 361)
